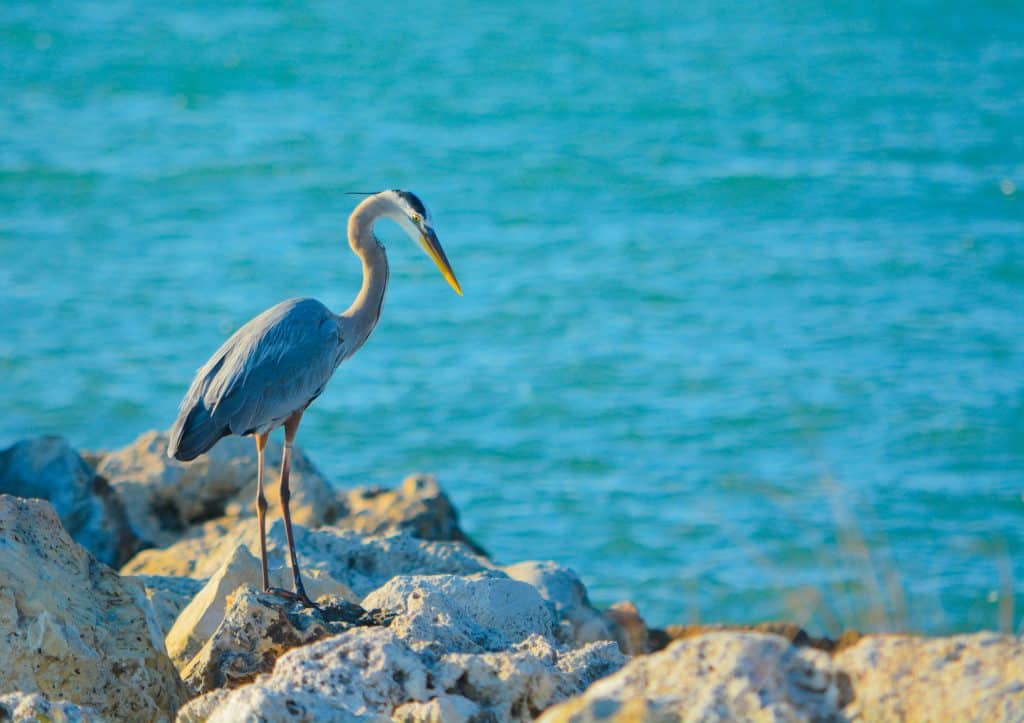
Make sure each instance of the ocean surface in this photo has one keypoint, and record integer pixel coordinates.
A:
(743, 327)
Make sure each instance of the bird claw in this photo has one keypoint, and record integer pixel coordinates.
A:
(299, 597)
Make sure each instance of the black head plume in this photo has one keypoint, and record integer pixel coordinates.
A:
(414, 202)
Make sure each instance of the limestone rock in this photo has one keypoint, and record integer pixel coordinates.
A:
(419, 506)
(165, 498)
(48, 468)
(479, 647)
(715, 677)
(631, 631)
(205, 613)
(257, 628)
(169, 595)
(565, 592)
(976, 677)
(373, 674)
(71, 629)
(26, 707)
(442, 709)
(478, 613)
(361, 563)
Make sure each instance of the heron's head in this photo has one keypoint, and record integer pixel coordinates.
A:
(414, 218)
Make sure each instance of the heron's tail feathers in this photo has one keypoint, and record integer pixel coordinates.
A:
(193, 433)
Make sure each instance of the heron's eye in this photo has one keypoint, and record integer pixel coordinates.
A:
(415, 218)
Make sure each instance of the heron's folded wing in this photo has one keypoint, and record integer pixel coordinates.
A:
(276, 365)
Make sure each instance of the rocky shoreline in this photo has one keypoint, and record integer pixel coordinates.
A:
(130, 593)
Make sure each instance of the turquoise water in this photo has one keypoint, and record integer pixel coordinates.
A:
(742, 331)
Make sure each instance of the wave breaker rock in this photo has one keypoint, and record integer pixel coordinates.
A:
(362, 563)
(166, 498)
(201, 617)
(258, 627)
(715, 677)
(976, 677)
(71, 629)
(89, 509)
(476, 647)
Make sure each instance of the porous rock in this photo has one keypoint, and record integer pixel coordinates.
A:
(418, 506)
(977, 677)
(362, 563)
(48, 468)
(715, 677)
(564, 591)
(71, 629)
(480, 613)
(442, 709)
(257, 628)
(35, 708)
(165, 498)
(206, 611)
(631, 631)
(373, 674)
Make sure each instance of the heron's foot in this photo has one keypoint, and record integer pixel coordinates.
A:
(299, 596)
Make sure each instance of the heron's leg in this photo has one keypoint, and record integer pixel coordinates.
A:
(290, 428)
(261, 506)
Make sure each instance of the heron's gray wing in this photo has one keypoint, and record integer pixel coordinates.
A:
(273, 366)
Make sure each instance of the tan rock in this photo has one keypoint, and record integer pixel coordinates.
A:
(976, 677)
(370, 673)
(165, 498)
(71, 629)
(257, 628)
(362, 563)
(714, 677)
(466, 614)
(629, 628)
(205, 613)
(419, 506)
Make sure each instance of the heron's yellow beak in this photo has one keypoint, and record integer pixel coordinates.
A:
(430, 244)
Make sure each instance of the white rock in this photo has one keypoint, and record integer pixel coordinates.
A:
(361, 563)
(466, 614)
(442, 709)
(565, 592)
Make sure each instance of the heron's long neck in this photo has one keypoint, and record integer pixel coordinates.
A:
(365, 310)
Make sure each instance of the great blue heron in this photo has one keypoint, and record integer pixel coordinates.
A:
(273, 367)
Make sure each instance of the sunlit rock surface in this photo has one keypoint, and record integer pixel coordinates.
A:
(976, 677)
(166, 498)
(714, 677)
(360, 562)
(71, 628)
(418, 506)
(373, 673)
(206, 611)
(409, 628)
(258, 627)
